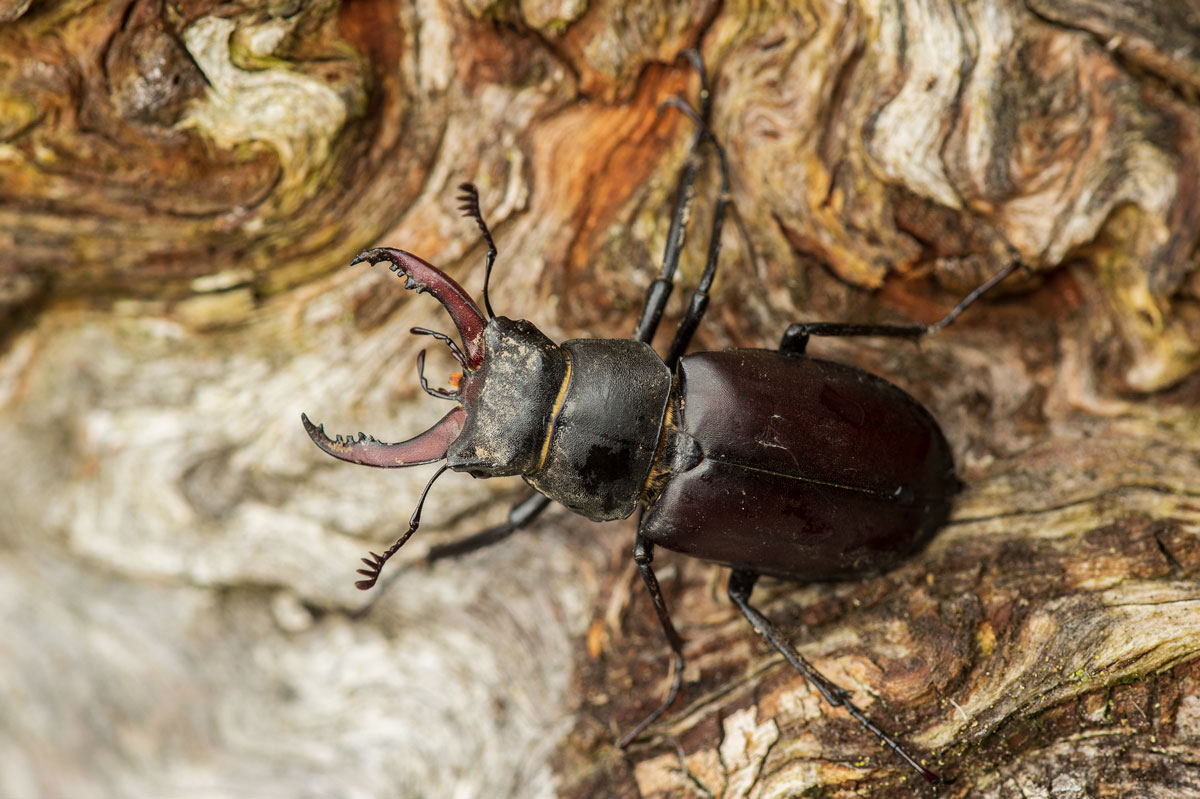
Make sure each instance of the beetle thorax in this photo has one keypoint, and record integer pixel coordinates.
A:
(606, 428)
(579, 421)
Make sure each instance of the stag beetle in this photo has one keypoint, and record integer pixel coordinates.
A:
(770, 462)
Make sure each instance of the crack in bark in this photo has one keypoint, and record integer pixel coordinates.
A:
(1181, 90)
(1090, 500)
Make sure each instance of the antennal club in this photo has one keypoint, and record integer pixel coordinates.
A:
(469, 205)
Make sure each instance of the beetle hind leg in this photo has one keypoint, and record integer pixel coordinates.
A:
(741, 584)
(795, 338)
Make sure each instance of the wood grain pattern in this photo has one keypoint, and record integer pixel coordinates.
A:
(181, 186)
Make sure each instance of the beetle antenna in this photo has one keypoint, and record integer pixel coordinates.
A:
(469, 205)
(375, 564)
(442, 337)
(440, 393)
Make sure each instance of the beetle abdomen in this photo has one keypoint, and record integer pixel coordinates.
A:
(605, 430)
(802, 468)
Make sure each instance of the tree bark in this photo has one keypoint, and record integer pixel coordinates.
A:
(181, 188)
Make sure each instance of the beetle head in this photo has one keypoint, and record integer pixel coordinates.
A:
(511, 375)
(509, 401)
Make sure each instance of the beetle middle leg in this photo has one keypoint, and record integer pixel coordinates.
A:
(643, 555)
(741, 584)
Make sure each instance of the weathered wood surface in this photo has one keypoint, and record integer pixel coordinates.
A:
(180, 188)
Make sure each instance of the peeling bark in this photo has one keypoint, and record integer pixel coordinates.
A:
(181, 186)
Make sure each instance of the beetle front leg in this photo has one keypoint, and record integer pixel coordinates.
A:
(685, 192)
(643, 555)
(741, 584)
(699, 302)
(520, 515)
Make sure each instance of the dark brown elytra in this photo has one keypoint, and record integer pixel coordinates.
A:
(770, 462)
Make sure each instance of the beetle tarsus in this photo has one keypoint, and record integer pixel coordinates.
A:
(699, 302)
(795, 338)
(967, 301)
(697, 61)
(685, 193)
(677, 666)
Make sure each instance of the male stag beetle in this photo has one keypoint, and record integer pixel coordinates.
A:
(770, 462)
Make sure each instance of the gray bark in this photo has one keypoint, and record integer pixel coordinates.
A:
(181, 186)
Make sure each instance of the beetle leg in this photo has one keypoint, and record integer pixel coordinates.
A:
(685, 192)
(795, 338)
(741, 584)
(643, 555)
(699, 302)
(969, 300)
(520, 515)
